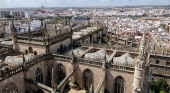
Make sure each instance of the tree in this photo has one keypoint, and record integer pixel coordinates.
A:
(160, 86)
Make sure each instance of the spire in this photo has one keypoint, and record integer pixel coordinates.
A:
(72, 55)
(104, 61)
(142, 51)
(45, 30)
(3, 27)
(23, 58)
(14, 35)
(13, 29)
(48, 51)
(97, 24)
(29, 31)
(45, 27)
(55, 27)
(53, 79)
(41, 22)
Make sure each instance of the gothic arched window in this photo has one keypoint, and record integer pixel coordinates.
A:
(10, 88)
(88, 80)
(39, 75)
(61, 72)
(119, 85)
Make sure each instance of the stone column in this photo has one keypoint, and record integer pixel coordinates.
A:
(139, 73)
(53, 80)
(138, 80)
(72, 85)
(25, 74)
(115, 35)
(104, 73)
(14, 35)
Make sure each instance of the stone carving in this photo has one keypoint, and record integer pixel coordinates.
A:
(142, 53)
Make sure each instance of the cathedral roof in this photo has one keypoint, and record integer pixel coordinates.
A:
(77, 51)
(125, 58)
(17, 60)
(98, 55)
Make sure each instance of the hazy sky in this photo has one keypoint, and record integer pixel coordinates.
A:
(65, 3)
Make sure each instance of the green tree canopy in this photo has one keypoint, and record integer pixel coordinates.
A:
(160, 86)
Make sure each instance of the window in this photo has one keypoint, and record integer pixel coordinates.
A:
(119, 85)
(157, 61)
(39, 76)
(88, 80)
(167, 63)
(10, 88)
(61, 73)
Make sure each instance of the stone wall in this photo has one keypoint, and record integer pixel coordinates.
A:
(39, 49)
(31, 73)
(111, 76)
(56, 46)
(97, 74)
(17, 79)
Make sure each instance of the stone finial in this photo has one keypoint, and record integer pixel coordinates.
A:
(167, 50)
(29, 31)
(23, 58)
(45, 26)
(41, 22)
(142, 48)
(104, 61)
(53, 79)
(97, 24)
(13, 29)
(163, 49)
(55, 27)
(142, 53)
(72, 56)
(3, 27)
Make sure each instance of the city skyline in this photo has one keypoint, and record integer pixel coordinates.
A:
(78, 3)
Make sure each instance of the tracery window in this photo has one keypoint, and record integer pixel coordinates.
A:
(119, 85)
(61, 72)
(10, 88)
(39, 75)
(88, 80)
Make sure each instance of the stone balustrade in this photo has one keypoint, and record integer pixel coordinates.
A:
(124, 66)
(11, 71)
(90, 62)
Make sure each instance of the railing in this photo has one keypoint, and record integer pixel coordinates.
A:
(58, 56)
(53, 39)
(5, 51)
(11, 71)
(124, 66)
(61, 37)
(35, 60)
(90, 62)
